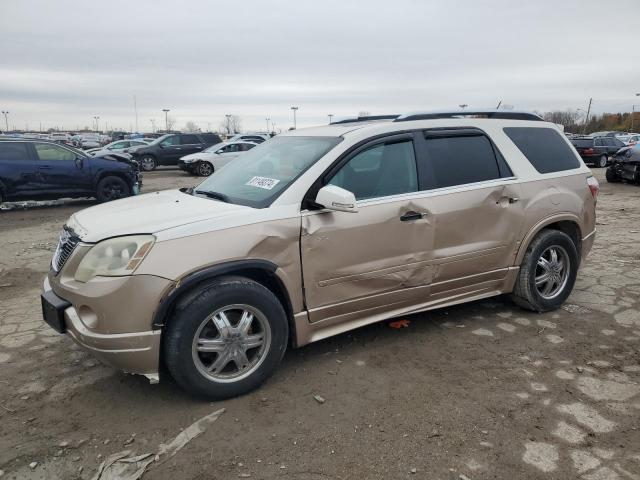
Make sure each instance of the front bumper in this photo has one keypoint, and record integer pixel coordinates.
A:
(104, 322)
(187, 167)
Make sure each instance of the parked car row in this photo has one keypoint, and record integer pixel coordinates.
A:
(597, 150)
(44, 170)
(213, 158)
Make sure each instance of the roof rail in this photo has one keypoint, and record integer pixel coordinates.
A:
(365, 119)
(491, 113)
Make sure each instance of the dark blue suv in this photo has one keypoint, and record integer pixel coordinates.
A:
(41, 170)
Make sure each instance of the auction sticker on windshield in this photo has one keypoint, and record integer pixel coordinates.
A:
(263, 182)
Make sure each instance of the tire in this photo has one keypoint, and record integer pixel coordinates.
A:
(602, 161)
(148, 163)
(205, 374)
(204, 169)
(611, 176)
(527, 294)
(112, 188)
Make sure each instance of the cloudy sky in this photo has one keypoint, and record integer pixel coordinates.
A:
(64, 62)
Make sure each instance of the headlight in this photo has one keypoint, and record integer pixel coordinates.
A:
(190, 160)
(114, 257)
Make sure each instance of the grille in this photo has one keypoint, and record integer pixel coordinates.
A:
(66, 245)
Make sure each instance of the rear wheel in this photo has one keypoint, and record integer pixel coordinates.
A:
(611, 175)
(148, 163)
(112, 188)
(548, 272)
(204, 169)
(226, 338)
(602, 161)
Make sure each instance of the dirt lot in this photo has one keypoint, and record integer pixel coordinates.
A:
(483, 390)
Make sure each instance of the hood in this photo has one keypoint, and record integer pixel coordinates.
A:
(199, 155)
(149, 213)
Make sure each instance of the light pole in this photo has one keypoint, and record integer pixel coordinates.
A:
(267, 119)
(633, 112)
(96, 118)
(166, 119)
(6, 122)
(330, 118)
(228, 115)
(295, 109)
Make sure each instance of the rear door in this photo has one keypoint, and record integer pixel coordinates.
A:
(190, 144)
(474, 208)
(62, 170)
(18, 174)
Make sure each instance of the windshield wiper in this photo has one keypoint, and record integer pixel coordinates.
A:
(215, 195)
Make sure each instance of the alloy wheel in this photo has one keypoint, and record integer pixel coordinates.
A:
(205, 169)
(232, 343)
(552, 272)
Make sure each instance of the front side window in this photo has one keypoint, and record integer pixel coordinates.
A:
(170, 141)
(460, 160)
(48, 152)
(545, 148)
(229, 149)
(258, 177)
(380, 171)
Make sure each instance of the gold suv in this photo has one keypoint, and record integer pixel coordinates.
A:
(320, 231)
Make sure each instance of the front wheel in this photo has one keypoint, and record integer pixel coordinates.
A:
(611, 175)
(602, 161)
(226, 338)
(548, 272)
(148, 163)
(204, 169)
(112, 188)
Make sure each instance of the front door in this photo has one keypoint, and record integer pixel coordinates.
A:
(376, 260)
(62, 170)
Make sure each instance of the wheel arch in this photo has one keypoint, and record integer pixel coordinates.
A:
(566, 223)
(107, 173)
(263, 272)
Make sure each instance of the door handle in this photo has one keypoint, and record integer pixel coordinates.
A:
(411, 216)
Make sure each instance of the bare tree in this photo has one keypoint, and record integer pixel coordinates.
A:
(231, 124)
(568, 118)
(171, 122)
(191, 127)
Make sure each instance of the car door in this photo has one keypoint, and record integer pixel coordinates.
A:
(475, 209)
(376, 260)
(190, 144)
(170, 150)
(227, 153)
(61, 169)
(18, 174)
(614, 145)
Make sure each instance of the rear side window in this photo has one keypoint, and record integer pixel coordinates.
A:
(545, 148)
(189, 140)
(460, 160)
(49, 152)
(583, 143)
(13, 151)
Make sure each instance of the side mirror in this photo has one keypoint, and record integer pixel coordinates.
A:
(336, 198)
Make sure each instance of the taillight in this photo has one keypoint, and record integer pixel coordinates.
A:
(588, 151)
(594, 187)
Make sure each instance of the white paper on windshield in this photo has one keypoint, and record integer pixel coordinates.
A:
(263, 182)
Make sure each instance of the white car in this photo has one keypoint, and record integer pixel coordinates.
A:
(209, 160)
(118, 146)
(629, 140)
(249, 137)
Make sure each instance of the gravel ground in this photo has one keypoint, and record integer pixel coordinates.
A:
(482, 390)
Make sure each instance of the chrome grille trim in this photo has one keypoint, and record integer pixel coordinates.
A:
(66, 245)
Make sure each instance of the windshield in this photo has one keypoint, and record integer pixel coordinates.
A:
(257, 177)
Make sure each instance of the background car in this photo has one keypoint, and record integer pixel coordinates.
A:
(630, 139)
(118, 146)
(213, 158)
(44, 170)
(625, 166)
(168, 149)
(254, 137)
(596, 150)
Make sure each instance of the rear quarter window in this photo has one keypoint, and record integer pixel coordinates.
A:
(13, 151)
(545, 148)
